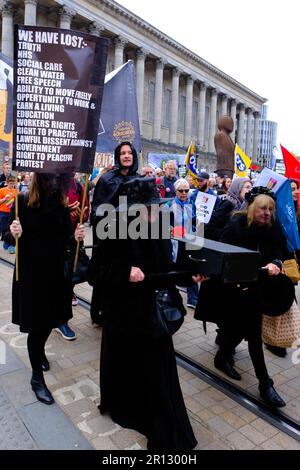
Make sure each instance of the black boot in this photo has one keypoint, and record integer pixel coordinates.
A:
(224, 365)
(269, 394)
(40, 389)
(45, 365)
(280, 352)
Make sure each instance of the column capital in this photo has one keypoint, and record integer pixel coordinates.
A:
(224, 97)
(31, 2)
(214, 91)
(257, 114)
(7, 8)
(249, 110)
(141, 53)
(203, 86)
(96, 29)
(190, 79)
(242, 107)
(233, 102)
(66, 13)
(120, 42)
(176, 72)
(161, 62)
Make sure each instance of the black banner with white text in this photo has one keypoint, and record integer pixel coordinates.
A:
(58, 87)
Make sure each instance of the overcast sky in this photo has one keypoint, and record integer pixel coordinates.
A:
(254, 42)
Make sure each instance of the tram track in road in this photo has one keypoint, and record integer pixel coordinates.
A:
(275, 417)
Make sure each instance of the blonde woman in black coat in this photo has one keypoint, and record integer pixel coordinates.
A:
(254, 228)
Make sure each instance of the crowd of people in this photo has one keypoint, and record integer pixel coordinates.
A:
(141, 391)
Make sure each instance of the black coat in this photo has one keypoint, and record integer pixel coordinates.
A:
(219, 302)
(41, 298)
(219, 218)
(107, 191)
(138, 374)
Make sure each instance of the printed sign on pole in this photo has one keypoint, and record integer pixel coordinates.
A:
(205, 204)
(270, 180)
(58, 87)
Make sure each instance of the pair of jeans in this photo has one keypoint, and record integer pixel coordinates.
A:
(192, 294)
(4, 218)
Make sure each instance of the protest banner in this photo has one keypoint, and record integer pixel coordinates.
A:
(119, 120)
(285, 209)
(205, 204)
(58, 88)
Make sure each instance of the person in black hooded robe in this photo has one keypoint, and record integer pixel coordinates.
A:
(107, 191)
(138, 375)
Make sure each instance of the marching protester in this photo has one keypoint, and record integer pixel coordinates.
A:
(44, 230)
(108, 190)
(166, 183)
(202, 179)
(138, 374)
(225, 186)
(147, 171)
(74, 200)
(6, 173)
(7, 195)
(254, 228)
(23, 186)
(233, 201)
(183, 215)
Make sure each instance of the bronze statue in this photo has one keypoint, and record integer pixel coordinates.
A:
(225, 147)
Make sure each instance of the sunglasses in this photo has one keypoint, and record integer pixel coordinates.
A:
(183, 190)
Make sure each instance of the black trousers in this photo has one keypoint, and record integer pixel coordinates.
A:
(250, 329)
(36, 341)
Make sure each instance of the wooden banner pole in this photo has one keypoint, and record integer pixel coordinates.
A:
(17, 218)
(81, 219)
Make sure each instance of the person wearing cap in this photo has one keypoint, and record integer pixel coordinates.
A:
(7, 197)
(254, 228)
(138, 375)
(202, 179)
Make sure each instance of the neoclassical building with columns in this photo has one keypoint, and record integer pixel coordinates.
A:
(180, 95)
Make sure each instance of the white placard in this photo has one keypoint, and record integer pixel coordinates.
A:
(270, 180)
(205, 204)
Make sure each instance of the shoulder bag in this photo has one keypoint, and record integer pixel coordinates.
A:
(168, 318)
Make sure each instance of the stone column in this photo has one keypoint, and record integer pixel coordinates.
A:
(255, 136)
(224, 111)
(188, 111)
(96, 29)
(241, 126)
(248, 134)
(159, 76)
(7, 11)
(30, 12)
(140, 80)
(119, 51)
(66, 16)
(174, 106)
(201, 114)
(233, 115)
(213, 119)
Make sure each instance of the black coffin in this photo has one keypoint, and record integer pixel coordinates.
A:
(232, 263)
